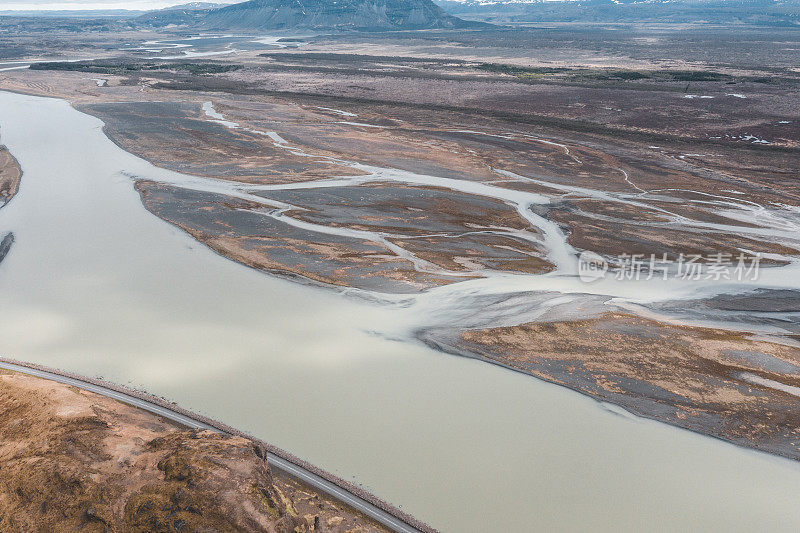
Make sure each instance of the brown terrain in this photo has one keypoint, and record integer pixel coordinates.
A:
(717, 382)
(10, 175)
(74, 460)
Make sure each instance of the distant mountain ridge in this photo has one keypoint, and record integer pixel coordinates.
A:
(756, 12)
(343, 15)
(196, 5)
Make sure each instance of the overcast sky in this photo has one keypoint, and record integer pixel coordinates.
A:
(92, 4)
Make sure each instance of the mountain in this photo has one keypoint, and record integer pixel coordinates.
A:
(756, 12)
(195, 5)
(172, 17)
(326, 15)
(180, 15)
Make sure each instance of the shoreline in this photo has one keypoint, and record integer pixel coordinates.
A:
(9, 363)
(440, 346)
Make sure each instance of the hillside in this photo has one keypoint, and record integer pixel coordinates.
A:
(343, 15)
(754, 12)
(76, 461)
(181, 15)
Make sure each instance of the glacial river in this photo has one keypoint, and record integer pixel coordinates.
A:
(97, 285)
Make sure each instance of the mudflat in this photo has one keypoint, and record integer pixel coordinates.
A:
(10, 175)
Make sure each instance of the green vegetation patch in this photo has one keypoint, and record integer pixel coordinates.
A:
(693, 75)
(130, 68)
(522, 72)
(583, 74)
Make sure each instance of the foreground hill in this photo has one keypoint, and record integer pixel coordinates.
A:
(76, 461)
(365, 15)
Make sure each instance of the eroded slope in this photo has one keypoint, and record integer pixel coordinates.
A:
(74, 460)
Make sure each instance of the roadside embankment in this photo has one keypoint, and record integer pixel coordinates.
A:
(73, 459)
